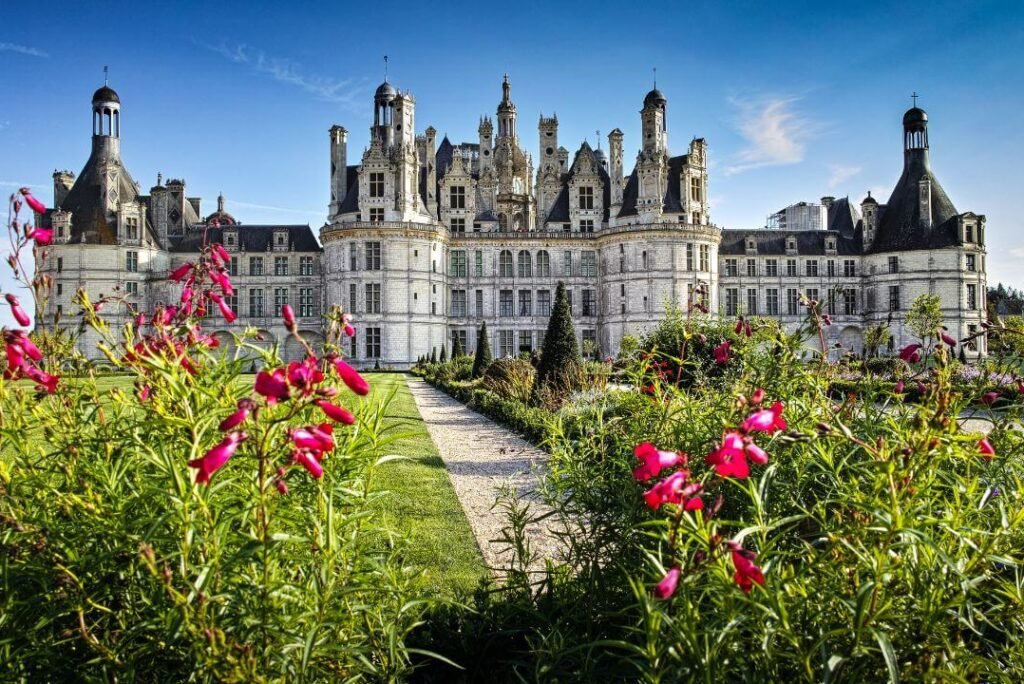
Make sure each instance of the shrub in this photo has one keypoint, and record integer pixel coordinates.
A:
(510, 379)
(559, 352)
(482, 359)
(457, 349)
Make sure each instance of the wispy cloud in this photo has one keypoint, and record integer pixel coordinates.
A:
(1017, 252)
(775, 133)
(341, 91)
(267, 207)
(839, 174)
(22, 50)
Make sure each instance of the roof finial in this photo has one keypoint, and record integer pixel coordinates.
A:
(655, 69)
(385, 68)
(914, 95)
(598, 134)
(220, 203)
(106, 75)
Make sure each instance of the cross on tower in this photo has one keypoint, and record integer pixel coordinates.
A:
(106, 74)
(385, 68)
(655, 70)
(914, 95)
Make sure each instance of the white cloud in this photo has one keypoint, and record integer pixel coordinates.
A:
(1017, 252)
(342, 91)
(774, 131)
(22, 50)
(839, 174)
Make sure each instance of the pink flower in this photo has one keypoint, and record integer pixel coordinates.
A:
(336, 413)
(225, 310)
(911, 353)
(900, 386)
(289, 316)
(42, 236)
(947, 338)
(990, 398)
(216, 457)
(721, 353)
(674, 490)
(768, 420)
(324, 432)
(19, 339)
(223, 282)
(15, 357)
(739, 325)
(236, 418)
(747, 574)
(272, 385)
(305, 375)
(221, 252)
(282, 487)
(986, 449)
(144, 393)
(32, 202)
(730, 459)
(308, 462)
(309, 439)
(178, 274)
(755, 453)
(667, 586)
(757, 397)
(44, 380)
(654, 461)
(19, 313)
(346, 321)
(350, 377)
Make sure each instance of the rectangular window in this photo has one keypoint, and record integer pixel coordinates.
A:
(705, 258)
(376, 214)
(849, 268)
(771, 301)
(233, 266)
(972, 296)
(457, 199)
(586, 225)
(505, 264)
(307, 309)
(771, 267)
(731, 269)
(525, 341)
(373, 343)
(894, 264)
(689, 256)
(586, 197)
(131, 262)
(352, 298)
(60, 289)
(478, 265)
(457, 263)
(589, 302)
(732, 301)
(525, 303)
(458, 225)
(791, 267)
(792, 301)
(971, 262)
(131, 288)
(811, 267)
(256, 303)
(458, 303)
(543, 302)
(831, 309)
(850, 302)
(132, 228)
(525, 264)
(306, 265)
(894, 298)
(751, 267)
(568, 298)
(751, 302)
(353, 258)
(505, 303)
(281, 266)
(372, 256)
(543, 264)
(968, 233)
(376, 184)
(588, 264)
(506, 341)
(60, 264)
(567, 263)
(480, 303)
(812, 293)
(255, 266)
(831, 268)
(372, 298)
(695, 189)
(280, 299)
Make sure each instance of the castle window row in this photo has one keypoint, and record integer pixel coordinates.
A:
(524, 264)
(770, 267)
(751, 302)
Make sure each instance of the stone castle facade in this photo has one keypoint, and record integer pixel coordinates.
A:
(426, 240)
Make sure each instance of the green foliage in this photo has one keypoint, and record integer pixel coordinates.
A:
(925, 317)
(443, 358)
(875, 338)
(482, 359)
(457, 349)
(510, 379)
(433, 355)
(560, 350)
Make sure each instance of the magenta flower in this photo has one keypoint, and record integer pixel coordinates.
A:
(216, 457)
(225, 310)
(272, 385)
(747, 574)
(336, 413)
(178, 274)
(674, 490)
(289, 316)
(15, 357)
(144, 393)
(767, 420)
(25, 344)
(755, 453)
(911, 353)
(236, 418)
(990, 398)
(347, 322)
(32, 202)
(44, 380)
(19, 313)
(986, 449)
(307, 461)
(667, 586)
(305, 375)
(757, 397)
(221, 252)
(721, 353)
(947, 338)
(654, 461)
(282, 487)
(42, 236)
(350, 377)
(730, 459)
(739, 325)
(900, 386)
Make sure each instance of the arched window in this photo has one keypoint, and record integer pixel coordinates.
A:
(525, 265)
(543, 264)
(517, 222)
(505, 264)
(502, 223)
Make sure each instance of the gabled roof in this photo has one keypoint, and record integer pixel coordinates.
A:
(559, 212)
(900, 226)
(671, 202)
(251, 238)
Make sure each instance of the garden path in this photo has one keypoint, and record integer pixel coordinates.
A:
(482, 457)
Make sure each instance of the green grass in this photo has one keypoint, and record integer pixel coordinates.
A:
(422, 502)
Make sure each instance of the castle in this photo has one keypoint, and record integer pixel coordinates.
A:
(426, 240)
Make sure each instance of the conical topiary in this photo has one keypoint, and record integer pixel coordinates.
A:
(433, 355)
(482, 359)
(444, 354)
(457, 349)
(560, 350)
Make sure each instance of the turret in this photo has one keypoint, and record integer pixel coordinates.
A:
(429, 160)
(652, 118)
(106, 143)
(869, 210)
(506, 112)
(62, 184)
(339, 167)
(486, 132)
(615, 169)
(384, 114)
(547, 133)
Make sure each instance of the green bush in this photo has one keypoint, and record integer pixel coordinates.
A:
(510, 378)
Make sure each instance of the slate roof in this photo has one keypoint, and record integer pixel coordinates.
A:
(559, 212)
(670, 203)
(900, 227)
(773, 242)
(351, 201)
(252, 238)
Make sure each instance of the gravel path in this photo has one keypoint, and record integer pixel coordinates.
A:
(481, 457)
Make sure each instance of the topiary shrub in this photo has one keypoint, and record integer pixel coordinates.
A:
(559, 353)
(482, 359)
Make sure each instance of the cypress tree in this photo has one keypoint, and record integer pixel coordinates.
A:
(433, 355)
(444, 354)
(560, 349)
(482, 359)
(457, 349)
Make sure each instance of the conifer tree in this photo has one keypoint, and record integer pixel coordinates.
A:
(482, 359)
(560, 350)
(433, 355)
(457, 349)
(444, 354)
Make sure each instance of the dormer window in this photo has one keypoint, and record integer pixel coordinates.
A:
(831, 245)
(230, 238)
(457, 197)
(586, 197)
(969, 233)
(751, 245)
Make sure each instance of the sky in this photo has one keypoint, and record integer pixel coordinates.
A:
(796, 100)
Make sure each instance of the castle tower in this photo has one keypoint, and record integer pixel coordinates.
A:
(383, 114)
(615, 169)
(506, 112)
(549, 171)
(339, 168)
(869, 211)
(652, 117)
(652, 162)
(486, 133)
(106, 145)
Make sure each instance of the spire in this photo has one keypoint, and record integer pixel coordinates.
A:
(385, 68)
(655, 70)
(506, 90)
(220, 203)
(106, 75)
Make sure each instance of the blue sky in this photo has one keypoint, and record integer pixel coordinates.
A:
(797, 100)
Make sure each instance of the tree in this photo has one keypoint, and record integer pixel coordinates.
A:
(876, 337)
(560, 351)
(444, 354)
(482, 359)
(433, 355)
(457, 349)
(925, 317)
